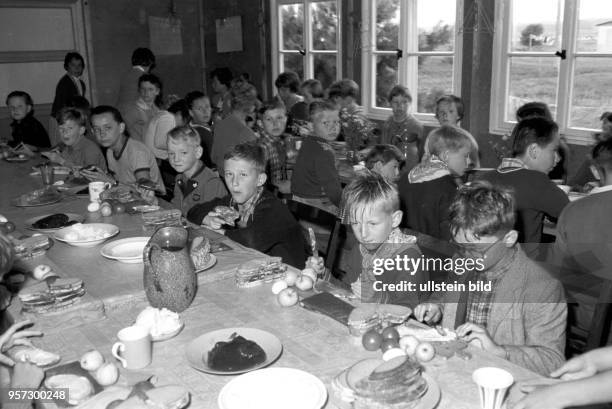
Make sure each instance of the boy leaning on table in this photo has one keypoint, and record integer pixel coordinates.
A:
(264, 222)
(195, 182)
(524, 315)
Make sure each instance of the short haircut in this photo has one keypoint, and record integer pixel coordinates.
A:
(606, 115)
(314, 87)
(537, 129)
(107, 109)
(20, 94)
(448, 138)
(180, 107)
(483, 209)
(319, 106)
(274, 103)
(250, 151)
(288, 79)
(244, 97)
(224, 75)
(184, 134)
(71, 114)
(193, 96)
(366, 192)
(73, 56)
(531, 109)
(454, 100)
(344, 88)
(602, 154)
(384, 154)
(144, 57)
(155, 80)
(401, 91)
(79, 102)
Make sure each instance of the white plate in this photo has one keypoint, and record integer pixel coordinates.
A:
(211, 262)
(125, 250)
(197, 350)
(72, 217)
(109, 229)
(168, 335)
(274, 388)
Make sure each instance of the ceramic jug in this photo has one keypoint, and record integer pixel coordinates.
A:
(169, 274)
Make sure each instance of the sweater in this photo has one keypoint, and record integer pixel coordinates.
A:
(30, 132)
(314, 174)
(272, 230)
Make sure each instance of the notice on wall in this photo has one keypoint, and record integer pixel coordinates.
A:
(165, 36)
(229, 34)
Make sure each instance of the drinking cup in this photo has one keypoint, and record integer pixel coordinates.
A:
(134, 347)
(47, 173)
(493, 383)
(95, 189)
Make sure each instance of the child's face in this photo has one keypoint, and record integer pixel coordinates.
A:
(106, 129)
(458, 161)
(178, 118)
(18, 108)
(389, 170)
(148, 92)
(307, 95)
(71, 132)
(606, 126)
(489, 249)
(274, 121)
(201, 111)
(217, 86)
(242, 179)
(399, 106)
(447, 114)
(544, 158)
(183, 156)
(375, 226)
(326, 125)
(75, 67)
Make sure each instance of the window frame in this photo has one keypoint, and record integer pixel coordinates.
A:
(308, 57)
(501, 72)
(407, 72)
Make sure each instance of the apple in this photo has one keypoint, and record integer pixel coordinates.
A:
(106, 210)
(40, 271)
(93, 207)
(309, 272)
(371, 340)
(304, 283)
(119, 208)
(387, 344)
(107, 374)
(287, 297)
(279, 286)
(425, 352)
(409, 344)
(291, 277)
(390, 333)
(91, 360)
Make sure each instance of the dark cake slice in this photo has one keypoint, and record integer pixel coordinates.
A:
(235, 355)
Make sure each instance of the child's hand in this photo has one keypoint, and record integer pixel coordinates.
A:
(576, 368)
(428, 312)
(316, 263)
(213, 220)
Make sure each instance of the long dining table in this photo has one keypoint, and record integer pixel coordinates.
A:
(311, 342)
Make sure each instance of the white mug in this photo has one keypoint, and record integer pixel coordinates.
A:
(493, 383)
(134, 347)
(95, 189)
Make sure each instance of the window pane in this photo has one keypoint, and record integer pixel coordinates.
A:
(34, 77)
(292, 20)
(325, 68)
(387, 24)
(536, 25)
(435, 79)
(46, 29)
(324, 24)
(591, 94)
(293, 62)
(436, 24)
(386, 78)
(594, 26)
(532, 79)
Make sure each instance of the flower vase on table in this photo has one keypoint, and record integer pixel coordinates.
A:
(169, 273)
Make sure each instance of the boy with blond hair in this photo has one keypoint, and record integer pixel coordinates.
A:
(195, 183)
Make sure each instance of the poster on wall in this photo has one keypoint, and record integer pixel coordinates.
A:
(165, 36)
(229, 34)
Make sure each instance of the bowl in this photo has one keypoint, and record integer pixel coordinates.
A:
(86, 235)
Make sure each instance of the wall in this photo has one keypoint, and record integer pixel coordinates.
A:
(120, 26)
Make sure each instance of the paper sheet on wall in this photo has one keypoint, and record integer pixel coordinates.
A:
(229, 34)
(165, 36)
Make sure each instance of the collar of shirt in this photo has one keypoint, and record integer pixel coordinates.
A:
(188, 185)
(139, 67)
(511, 165)
(600, 189)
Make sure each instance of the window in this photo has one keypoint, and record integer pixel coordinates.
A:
(414, 43)
(558, 52)
(307, 39)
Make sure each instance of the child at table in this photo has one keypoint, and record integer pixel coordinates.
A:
(402, 129)
(522, 318)
(587, 177)
(428, 191)
(535, 145)
(372, 210)
(384, 160)
(355, 127)
(265, 223)
(195, 182)
(315, 177)
(25, 128)
(273, 116)
(76, 150)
